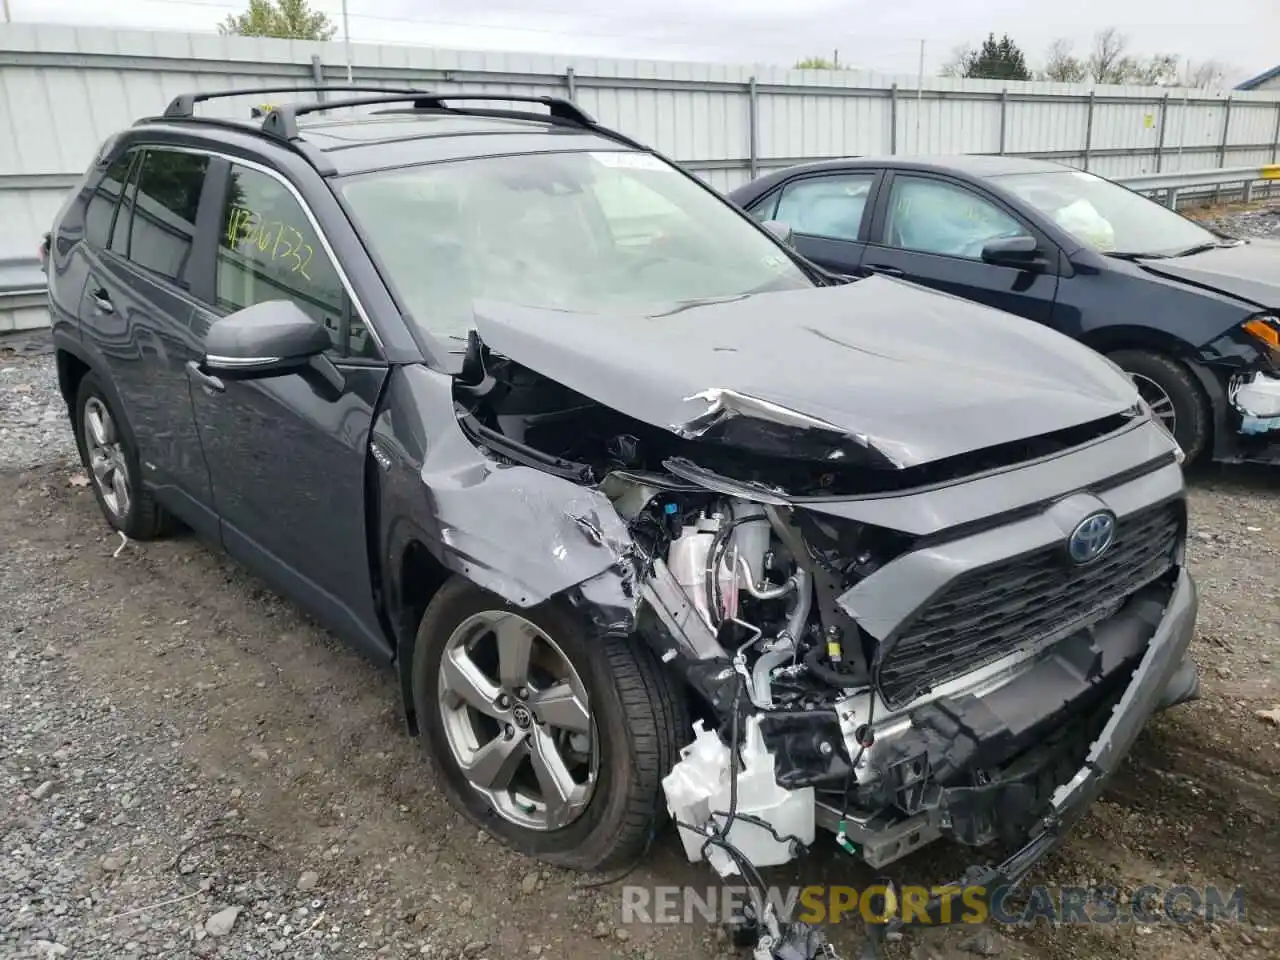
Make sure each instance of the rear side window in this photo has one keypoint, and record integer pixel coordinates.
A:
(268, 250)
(165, 209)
(105, 201)
(829, 206)
(124, 213)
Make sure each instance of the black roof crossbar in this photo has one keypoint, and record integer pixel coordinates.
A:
(184, 105)
(282, 121)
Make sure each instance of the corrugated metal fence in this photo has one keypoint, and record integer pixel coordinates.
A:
(63, 90)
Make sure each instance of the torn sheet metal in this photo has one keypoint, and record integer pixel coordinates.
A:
(723, 404)
(824, 373)
(522, 533)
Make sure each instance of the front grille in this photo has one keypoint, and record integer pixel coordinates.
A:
(986, 614)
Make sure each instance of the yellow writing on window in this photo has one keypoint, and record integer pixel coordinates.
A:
(276, 240)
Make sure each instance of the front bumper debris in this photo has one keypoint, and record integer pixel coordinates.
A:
(1151, 683)
(1164, 675)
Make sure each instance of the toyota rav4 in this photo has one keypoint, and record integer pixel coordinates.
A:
(652, 517)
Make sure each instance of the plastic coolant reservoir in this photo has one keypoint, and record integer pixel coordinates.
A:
(698, 788)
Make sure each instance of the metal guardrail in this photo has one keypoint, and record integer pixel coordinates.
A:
(22, 283)
(1176, 185)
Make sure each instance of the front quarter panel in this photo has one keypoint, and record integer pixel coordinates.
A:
(1111, 303)
(514, 530)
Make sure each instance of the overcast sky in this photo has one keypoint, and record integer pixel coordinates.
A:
(873, 34)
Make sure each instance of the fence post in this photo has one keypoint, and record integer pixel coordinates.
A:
(1222, 146)
(1275, 150)
(317, 74)
(1163, 121)
(893, 120)
(1275, 138)
(1088, 128)
(1226, 131)
(1004, 118)
(571, 84)
(753, 129)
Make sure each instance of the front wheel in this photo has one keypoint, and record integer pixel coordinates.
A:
(551, 738)
(1176, 399)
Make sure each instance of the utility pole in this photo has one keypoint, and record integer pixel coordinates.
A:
(6, 12)
(346, 38)
(919, 95)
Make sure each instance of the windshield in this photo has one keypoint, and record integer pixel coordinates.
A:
(588, 232)
(1106, 216)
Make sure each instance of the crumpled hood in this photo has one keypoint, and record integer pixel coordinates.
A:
(1250, 271)
(908, 374)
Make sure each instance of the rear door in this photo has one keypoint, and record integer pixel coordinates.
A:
(829, 212)
(136, 317)
(931, 230)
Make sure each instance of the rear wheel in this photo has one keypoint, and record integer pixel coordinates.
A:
(552, 739)
(111, 460)
(1176, 399)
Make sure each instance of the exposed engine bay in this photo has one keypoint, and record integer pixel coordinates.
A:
(888, 718)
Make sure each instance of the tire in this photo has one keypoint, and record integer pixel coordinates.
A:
(141, 517)
(1192, 416)
(638, 716)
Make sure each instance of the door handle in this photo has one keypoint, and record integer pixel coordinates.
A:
(885, 270)
(102, 300)
(206, 380)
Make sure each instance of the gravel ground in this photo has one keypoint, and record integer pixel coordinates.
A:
(189, 768)
(1262, 222)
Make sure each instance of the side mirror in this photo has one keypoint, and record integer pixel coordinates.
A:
(782, 231)
(264, 340)
(1022, 252)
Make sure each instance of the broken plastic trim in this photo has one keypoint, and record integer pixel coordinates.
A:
(526, 455)
(718, 483)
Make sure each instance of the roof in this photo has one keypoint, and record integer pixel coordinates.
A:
(976, 165)
(408, 127)
(357, 144)
(1253, 83)
(981, 166)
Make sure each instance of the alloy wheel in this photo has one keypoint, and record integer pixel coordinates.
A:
(105, 448)
(516, 718)
(1158, 400)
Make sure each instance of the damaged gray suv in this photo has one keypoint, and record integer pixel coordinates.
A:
(651, 516)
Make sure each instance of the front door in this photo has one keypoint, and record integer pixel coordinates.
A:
(931, 230)
(287, 454)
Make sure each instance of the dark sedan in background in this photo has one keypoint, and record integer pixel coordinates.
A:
(1190, 314)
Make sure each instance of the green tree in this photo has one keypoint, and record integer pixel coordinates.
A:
(821, 63)
(996, 60)
(285, 19)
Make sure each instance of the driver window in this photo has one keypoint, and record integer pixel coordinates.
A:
(268, 250)
(932, 216)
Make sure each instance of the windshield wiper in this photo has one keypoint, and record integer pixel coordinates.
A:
(1126, 255)
(1201, 248)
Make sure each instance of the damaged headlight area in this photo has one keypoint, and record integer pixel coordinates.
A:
(1256, 397)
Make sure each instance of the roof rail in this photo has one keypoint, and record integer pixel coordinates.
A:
(282, 121)
(184, 104)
